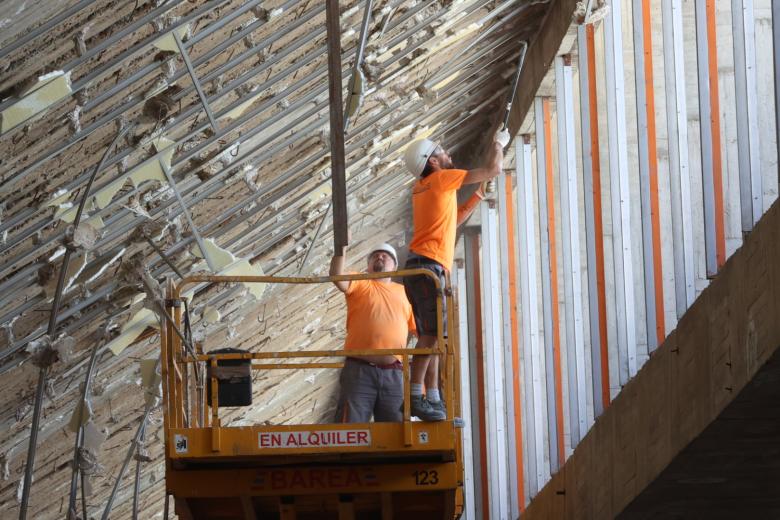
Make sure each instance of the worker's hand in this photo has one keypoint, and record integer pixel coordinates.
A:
(502, 137)
(482, 190)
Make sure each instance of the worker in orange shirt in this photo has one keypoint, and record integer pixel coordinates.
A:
(436, 216)
(378, 317)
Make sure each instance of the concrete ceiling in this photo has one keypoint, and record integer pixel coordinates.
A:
(259, 188)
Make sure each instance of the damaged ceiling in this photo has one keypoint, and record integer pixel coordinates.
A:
(93, 81)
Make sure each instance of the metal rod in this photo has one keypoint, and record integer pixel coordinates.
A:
(44, 371)
(515, 81)
(80, 433)
(195, 81)
(315, 237)
(187, 215)
(358, 57)
(137, 480)
(165, 257)
(128, 457)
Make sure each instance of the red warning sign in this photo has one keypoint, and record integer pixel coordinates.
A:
(314, 439)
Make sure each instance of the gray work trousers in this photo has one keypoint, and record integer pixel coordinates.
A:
(368, 390)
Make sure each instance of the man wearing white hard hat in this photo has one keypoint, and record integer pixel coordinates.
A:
(436, 217)
(378, 317)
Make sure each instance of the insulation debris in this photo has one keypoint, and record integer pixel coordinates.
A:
(211, 315)
(151, 381)
(74, 117)
(76, 265)
(168, 42)
(228, 265)
(49, 89)
(5, 472)
(138, 323)
(44, 352)
(240, 109)
(84, 236)
(93, 437)
(81, 414)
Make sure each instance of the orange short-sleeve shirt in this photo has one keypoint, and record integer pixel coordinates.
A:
(435, 213)
(379, 315)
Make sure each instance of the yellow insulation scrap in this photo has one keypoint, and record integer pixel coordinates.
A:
(151, 379)
(227, 265)
(320, 193)
(244, 268)
(220, 258)
(149, 170)
(240, 109)
(49, 89)
(168, 42)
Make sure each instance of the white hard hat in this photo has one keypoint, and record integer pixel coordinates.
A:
(387, 248)
(417, 154)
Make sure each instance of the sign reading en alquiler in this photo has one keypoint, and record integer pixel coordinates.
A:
(314, 439)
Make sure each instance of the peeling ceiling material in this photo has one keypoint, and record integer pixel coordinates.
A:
(257, 187)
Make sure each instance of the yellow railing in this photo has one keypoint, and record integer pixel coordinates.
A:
(183, 375)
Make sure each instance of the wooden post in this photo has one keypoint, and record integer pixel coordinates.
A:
(338, 166)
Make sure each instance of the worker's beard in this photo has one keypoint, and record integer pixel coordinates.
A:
(378, 266)
(447, 164)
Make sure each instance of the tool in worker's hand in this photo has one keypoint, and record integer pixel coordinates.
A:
(502, 136)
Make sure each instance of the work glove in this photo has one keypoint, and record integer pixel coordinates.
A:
(502, 137)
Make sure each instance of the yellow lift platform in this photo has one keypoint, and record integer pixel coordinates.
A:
(405, 470)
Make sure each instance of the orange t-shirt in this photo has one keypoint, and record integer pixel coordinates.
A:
(435, 213)
(379, 315)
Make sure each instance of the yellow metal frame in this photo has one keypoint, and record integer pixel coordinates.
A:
(195, 436)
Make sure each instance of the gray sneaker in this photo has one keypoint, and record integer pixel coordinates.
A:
(422, 408)
(439, 406)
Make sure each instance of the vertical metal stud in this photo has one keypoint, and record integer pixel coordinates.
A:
(679, 167)
(570, 225)
(494, 365)
(776, 52)
(477, 373)
(549, 284)
(594, 232)
(529, 305)
(648, 174)
(619, 193)
(709, 120)
(469, 512)
(746, 89)
(512, 368)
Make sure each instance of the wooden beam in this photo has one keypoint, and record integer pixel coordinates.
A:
(337, 160)
(541, 52)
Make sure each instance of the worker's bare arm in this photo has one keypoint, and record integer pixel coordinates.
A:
(468, 207)
(337, 268)
(491, 169)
